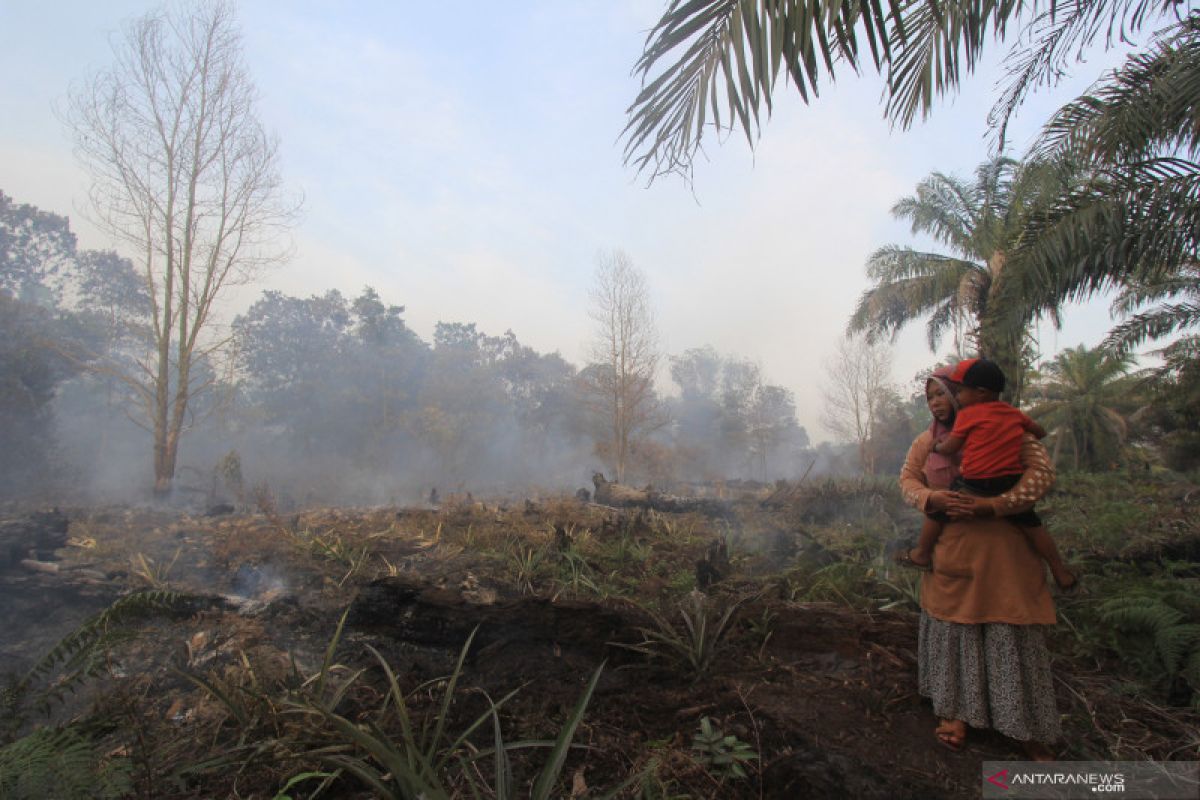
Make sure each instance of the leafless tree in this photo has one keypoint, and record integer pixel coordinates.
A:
(623, 355)
(185, 177)
(858, 385)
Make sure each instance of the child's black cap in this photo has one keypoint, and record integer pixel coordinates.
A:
(979, 373)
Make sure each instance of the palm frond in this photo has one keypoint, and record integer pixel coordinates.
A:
(1138, 293)
(727, 56)
(910, 284)
(79, 655)
(716, 63)
(944, 208)
(1057, 36)
(933, 44)
(731, 52)
(1137, 221)
(943, 317)
(1146, 107)
(1162, 321)
(61, 763)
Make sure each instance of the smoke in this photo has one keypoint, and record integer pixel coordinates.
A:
(331, 401)
(255, 580)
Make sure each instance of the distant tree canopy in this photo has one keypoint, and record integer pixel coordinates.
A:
(34, 246)
(728, 423)
(348, 380)
(61, 309)
(29, 377)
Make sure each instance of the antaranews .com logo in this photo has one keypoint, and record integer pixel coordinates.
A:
(1138, 780)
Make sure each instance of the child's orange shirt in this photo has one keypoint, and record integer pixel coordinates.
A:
(992, 434)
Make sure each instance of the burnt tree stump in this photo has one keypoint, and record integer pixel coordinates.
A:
(714, 567)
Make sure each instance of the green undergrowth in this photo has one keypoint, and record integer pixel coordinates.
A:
(1122, 515)
(1142, 624)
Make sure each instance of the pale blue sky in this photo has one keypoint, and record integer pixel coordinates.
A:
(463, 159)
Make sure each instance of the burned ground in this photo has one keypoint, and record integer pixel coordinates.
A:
(813, 670)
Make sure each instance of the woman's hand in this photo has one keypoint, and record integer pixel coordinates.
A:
(939, 500)
(968, 506)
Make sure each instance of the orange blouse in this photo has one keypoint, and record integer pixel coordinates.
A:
(985, 570)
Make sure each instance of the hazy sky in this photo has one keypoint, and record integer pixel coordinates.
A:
(463, 159)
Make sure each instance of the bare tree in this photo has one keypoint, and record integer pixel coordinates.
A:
(623, 355)
(857, 389)
(184, 175)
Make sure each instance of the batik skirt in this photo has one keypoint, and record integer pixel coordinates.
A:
(990, 675)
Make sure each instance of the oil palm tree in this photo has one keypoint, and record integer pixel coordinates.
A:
(716, 63)
(1136, 222)
(980, 223)
(1082, 394)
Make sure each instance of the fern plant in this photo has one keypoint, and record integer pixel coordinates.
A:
(82, 654)
(62, 763)
(1159, 637)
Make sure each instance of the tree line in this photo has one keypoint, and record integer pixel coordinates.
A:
(334, 397)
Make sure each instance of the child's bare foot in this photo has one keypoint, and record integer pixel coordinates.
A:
(1066, 580)
(916, 557)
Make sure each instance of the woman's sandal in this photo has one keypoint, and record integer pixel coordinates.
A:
(904, 558)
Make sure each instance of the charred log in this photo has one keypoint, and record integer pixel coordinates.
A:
(618, 495)
(35, 535)
(418, 613)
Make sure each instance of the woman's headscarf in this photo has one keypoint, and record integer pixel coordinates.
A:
(940, 471)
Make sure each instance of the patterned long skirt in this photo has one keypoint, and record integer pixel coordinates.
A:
(991, 675)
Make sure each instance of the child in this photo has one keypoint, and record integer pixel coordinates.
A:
(989, 433)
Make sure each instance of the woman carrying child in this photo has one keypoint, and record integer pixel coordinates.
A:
(982, 655)
(987, 435)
